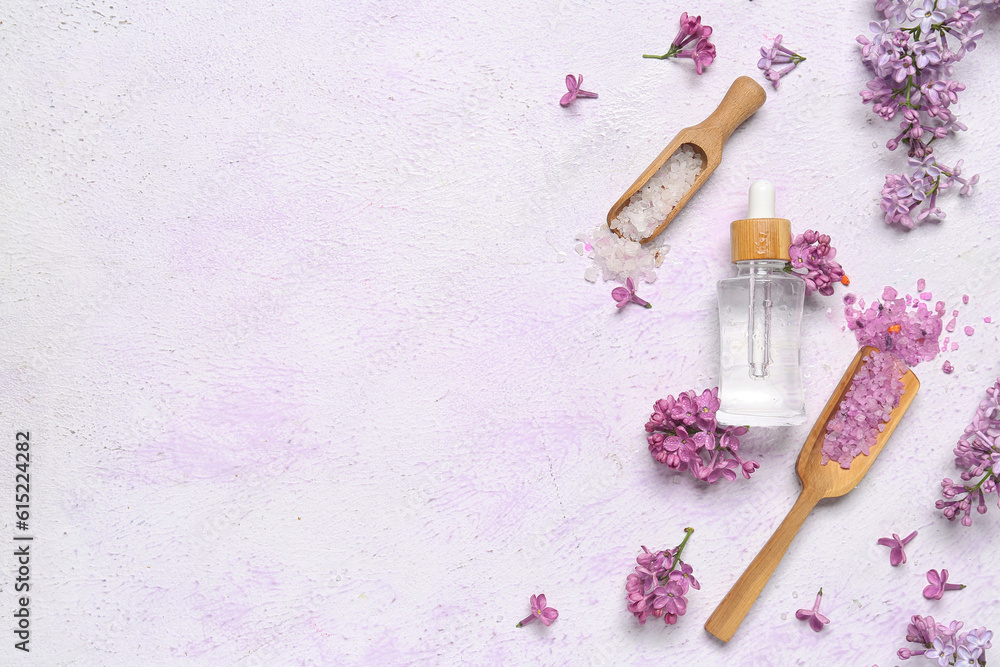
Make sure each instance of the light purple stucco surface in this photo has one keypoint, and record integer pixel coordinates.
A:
(289, 304)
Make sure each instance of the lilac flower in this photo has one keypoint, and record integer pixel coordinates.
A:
(660, 583)
(540, 611)
(812, 259)
(913, 74)
(896, 554)
(626, 295)
(685, 435)
(777, 54)
(943, 653)
(978, 455)
(707, 404)
(939, 584)
(691, 30)
(946, 643)
(929, 15)
(816, 619)
(573, 85)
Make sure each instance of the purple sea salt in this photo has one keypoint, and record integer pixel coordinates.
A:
(921, 284)
(947, 368)
(987, 319)
(868, 403)
(965, 298)
(910, 333)
(969, 331)
(926, 296)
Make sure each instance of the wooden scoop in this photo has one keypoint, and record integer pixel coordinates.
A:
(818, 481)
(707, 138)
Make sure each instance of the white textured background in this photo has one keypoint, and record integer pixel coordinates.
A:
(289, 304)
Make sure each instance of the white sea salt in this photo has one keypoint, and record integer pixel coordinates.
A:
(650, 206)
(617, 257)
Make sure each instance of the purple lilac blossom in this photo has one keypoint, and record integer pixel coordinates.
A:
(978, 455)
(938, 584)
(946, 644)
(685, 436)
(812, 259)
(816, 619)
(659, 584)
(573, 84)
(912, 54)
(896, 553)
(776, 54)
(691, 30)
(540, 611)
(626, 295)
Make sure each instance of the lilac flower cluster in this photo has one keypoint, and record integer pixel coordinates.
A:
(906, 327)
(868, 403)
(776, 54)
(912, 65)
(684, 435)
(691, 30)
(659, 584)
(978, 454)
(946, 643)
(902, 194)
(812, 259)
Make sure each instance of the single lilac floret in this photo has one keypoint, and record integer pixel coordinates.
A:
(540, 611)
(626, 295)
(939, 584)
(573, 84)
(816, 619)
(896, 553)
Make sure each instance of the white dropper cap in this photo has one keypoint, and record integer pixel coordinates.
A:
(760, 235)
(760, 202)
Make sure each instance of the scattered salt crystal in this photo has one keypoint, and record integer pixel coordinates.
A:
(592, 273)
(952, 323)
(921, 284)
(947, 368)
(580, 249)
(969, 331)
(926, 296)
(954, 346)
(954, 313)
(987, 319)
(939, 306)
(965, 298)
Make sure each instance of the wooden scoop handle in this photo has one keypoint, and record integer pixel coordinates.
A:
(734, 607)
(744, 97)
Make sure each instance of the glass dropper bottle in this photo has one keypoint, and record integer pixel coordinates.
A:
(760, 314)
